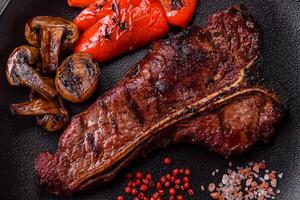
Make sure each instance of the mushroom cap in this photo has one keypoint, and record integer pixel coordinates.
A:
(34, 29)
(21, 55)
(77, 78)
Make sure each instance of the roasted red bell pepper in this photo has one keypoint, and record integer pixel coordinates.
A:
(80, 3)
(179, 12)
(92, 14)
(122, 25)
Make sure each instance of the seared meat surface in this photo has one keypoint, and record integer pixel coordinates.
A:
(181, 77)
(234, 124)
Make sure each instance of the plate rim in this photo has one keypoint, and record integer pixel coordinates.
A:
(5, 6)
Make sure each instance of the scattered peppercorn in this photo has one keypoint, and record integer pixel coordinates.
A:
(128, 190)
(172, 191)
(168, 176)
(139, 175)
(141, 195)
(138, 182)
(177, 181)
(130, 183)
(145, 180)
(186, 179)
(186, 185)
(179, 197)
(144, 188)
(134, 191)
(173, 179)
(120, 198)
(168, 185)
(187, 172)
(181, 171)
(167, 161)
(161, 192)
(191, 192)
(175, 172)
(158, 185)
(163, 179)
(151, 184)
(149, 176)
(129, 175)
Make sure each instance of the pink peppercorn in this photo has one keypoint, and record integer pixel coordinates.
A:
(138, 175)
(167, 161)
(172, 191)
(120, 198)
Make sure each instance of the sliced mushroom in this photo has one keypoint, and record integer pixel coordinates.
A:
(54, 122)
(53, 35)
(19, 72)
(35, 107)
(51, 114)
(77, 77)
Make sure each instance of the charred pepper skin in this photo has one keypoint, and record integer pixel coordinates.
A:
(179, 12)
(121, 27)
(92, 14)
(80, 3)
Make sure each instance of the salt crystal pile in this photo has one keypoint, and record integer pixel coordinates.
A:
(251, 182)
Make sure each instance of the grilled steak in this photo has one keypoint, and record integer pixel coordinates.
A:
(180, 78)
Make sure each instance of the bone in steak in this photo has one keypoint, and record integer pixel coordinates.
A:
(198, 76)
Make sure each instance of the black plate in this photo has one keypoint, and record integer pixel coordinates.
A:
(21, 139)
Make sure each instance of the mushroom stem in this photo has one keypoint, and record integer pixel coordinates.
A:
(18, 71)
(52, 122)
(29, 77)
(50, 47)
(36, 107)
(53, 35)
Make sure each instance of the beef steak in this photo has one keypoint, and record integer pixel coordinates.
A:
(179, 79)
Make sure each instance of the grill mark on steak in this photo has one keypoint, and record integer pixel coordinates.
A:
(134, 106)
(169, 86)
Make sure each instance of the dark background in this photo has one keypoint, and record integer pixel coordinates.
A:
(21, 139)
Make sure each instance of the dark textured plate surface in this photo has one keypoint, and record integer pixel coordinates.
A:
(21, 139)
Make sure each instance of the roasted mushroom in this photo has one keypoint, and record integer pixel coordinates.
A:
(19, 72)
(77, 77)
(53, 35)
(52, 115)
(35, 107)
(54, 122)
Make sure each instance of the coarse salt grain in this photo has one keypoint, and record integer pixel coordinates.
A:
(278, 191)
(225, 179)
(202, 188)
(256, 168)
(211, 187)
(266, 177)
(246, 183)
(274, 183)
